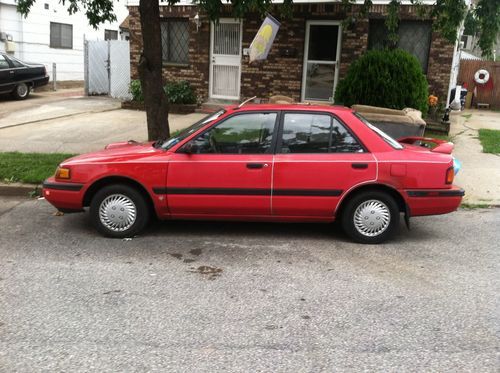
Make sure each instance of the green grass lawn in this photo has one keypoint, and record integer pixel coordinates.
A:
(29, 167)
(436, 135)
(490, 140)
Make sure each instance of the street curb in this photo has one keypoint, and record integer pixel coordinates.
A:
(18, 189)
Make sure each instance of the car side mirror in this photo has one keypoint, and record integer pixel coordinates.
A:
(189, 148)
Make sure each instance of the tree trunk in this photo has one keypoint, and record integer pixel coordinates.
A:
(150, 71)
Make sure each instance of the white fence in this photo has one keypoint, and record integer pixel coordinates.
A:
(107, 68)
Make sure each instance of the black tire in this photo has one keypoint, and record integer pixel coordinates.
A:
(379, 204)
(22, 91)
(122, 197)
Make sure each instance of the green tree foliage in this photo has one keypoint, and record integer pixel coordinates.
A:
(487, 15)
(386, 78)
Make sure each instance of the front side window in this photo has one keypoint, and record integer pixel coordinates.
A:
(316, 133)
(175, 40)
(240, 134)
(61, 35)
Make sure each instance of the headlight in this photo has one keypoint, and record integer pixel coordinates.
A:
(63, 173)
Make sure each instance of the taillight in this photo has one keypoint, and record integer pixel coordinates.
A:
(450, 174)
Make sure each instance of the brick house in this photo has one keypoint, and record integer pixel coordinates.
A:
(311, 52)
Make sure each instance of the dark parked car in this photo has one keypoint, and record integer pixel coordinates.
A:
(18, 78)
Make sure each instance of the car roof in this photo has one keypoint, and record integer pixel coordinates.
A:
(300, 106)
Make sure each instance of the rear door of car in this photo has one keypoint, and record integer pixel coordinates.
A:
(226, 170)
(6, 76)
(317, 160)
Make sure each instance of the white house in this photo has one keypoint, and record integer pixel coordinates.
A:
(50, 35)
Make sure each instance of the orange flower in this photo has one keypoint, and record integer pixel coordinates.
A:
(433, 100)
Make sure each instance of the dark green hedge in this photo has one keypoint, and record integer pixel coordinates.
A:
(385, 78)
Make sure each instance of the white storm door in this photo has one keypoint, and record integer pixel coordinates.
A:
(321, 60)
(225, 59)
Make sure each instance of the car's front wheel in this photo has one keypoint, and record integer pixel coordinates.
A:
(119, 211)
(371, 217)
(21, 91)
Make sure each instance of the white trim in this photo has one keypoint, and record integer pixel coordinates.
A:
(211, 60)
(306, 52)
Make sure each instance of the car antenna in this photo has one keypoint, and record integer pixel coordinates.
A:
(247, 101)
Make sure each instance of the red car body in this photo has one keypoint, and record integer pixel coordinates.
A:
(273, 186)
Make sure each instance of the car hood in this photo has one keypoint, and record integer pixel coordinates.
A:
(117, 152)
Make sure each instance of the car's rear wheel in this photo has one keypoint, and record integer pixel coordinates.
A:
(370, 217)
(21, 91)
(119, 211)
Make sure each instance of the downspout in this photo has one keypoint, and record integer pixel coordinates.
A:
(455, 63)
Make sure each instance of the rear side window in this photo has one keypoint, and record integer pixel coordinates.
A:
(240, 134)
(316, 133)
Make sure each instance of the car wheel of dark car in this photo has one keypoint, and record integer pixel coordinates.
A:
(119, 211)
(21, 91)
(371, 217)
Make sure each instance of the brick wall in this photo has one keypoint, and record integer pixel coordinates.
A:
(282, 72)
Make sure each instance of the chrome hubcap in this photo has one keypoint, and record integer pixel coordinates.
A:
(371, 218)
(117, 212)
(22, 90)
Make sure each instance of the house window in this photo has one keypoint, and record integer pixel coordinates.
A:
(175, 40)
(61, 35)
(414, 37)
(110, 35)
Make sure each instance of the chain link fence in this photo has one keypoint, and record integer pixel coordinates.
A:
(107, 68)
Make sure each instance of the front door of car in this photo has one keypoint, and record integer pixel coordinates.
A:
(226, 170)
(6, 76)
(317, 160)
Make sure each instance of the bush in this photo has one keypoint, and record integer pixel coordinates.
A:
(180, 93)
(177, 92)
(386, 78)
(136, 90)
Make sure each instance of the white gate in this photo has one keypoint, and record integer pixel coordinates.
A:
(107, 68)
(225, 66)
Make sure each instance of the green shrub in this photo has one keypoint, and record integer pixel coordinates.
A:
(180, 93)
(385, 78)
(177, 92)
(136, 90)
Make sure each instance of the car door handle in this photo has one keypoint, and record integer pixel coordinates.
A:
(359, 166)
(254, 166)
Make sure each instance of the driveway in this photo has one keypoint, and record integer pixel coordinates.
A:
(73, 123)
(243, 297)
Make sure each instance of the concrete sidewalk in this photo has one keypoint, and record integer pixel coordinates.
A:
(480, 173)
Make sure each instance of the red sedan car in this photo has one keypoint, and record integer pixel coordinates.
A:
(285, 163)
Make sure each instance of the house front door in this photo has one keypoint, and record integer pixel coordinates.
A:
(225, 59)
(321, 60)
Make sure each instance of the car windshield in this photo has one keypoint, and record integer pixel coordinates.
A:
(388, 139)
(167, 144)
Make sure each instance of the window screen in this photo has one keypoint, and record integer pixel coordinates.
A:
(61, 35)
(413, 37)
(175, 40)
(110, 35)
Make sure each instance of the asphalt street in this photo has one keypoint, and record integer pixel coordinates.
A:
(246, 297)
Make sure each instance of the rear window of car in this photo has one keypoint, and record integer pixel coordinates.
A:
(388, 139)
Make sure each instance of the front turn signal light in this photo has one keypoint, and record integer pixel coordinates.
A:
(450, 174)
(62, 173)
